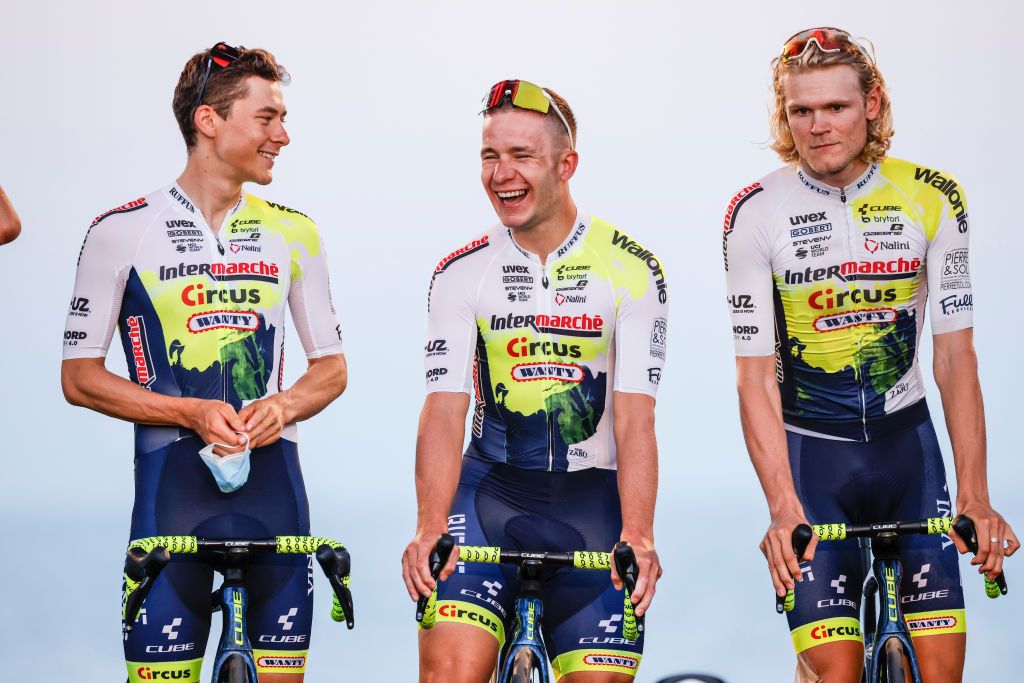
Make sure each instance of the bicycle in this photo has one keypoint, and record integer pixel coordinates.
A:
(524, 657)
(888, 634)
(234, 663)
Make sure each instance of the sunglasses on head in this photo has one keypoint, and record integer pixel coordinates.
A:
(525, 95)
(220, 56)
(827, 39)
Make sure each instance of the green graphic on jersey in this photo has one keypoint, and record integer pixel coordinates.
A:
(577, 419)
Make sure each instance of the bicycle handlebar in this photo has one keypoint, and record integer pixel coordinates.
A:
(147, 557)
(962, 524)
(625, 565)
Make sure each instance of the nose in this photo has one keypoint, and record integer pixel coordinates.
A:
(502, 171)
(279, 136)
(819, 124)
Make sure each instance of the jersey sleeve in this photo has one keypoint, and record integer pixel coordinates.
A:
(103, 266)
(641, 330)
(948, 268)
(748, 276)
(451, 334)
(309, 300)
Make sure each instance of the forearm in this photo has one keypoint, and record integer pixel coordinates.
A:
(439, 459)
(765, 435)
(637, 456)
(10, 224)
(324, 380)
(87, 383)
(956, 375)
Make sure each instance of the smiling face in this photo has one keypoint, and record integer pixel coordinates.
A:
(525, 167)
(247, 142)
(828, 116)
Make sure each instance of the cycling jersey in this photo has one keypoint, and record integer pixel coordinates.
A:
(834, 283)
(542, 347)
(201, 314)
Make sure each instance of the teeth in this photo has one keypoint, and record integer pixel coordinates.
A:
(267, 155)
(511, 195)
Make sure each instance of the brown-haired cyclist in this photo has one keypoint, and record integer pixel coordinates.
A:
(831, 264)
(197, 276)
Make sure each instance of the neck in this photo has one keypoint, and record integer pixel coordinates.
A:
(213, 193)
(840, 178)
(544, 237)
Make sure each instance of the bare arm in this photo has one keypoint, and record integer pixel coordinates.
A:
(638, 488)
(87, 383)
(765, 436)
(10, 224)
(955, 367)
(324, 380)
(438, 463)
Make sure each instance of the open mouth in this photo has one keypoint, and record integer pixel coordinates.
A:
(512, 197)
(268, 155)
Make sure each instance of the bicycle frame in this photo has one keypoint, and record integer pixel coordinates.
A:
(234, 638)
(888, 571)
(529, 612)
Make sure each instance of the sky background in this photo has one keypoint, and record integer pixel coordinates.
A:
(672, 103)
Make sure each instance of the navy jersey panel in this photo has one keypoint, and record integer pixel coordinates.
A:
(498, 504)
(899, 477)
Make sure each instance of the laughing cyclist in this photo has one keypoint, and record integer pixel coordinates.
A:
(554, 321)
(197, 276)
(832, 262)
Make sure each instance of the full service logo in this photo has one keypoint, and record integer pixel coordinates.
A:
(229, 320)
(559, 372)
(730, 216)
(141, 355)
(946, 186)
(625, 243)
(568, 325)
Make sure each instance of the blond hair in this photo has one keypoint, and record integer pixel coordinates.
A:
(880, 129)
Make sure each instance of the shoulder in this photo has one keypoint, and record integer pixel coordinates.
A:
(475, 252)
(610, 238)
(931, 189)
(116, 226)
(280, 211)
(759, 195)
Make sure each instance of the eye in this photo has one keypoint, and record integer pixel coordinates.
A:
(837, 107)
(801, 111)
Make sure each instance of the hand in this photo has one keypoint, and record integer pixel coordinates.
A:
(216, 422)
(777, 547)
(264, 420)
(988, 524)
(649, 571)
(416, 563)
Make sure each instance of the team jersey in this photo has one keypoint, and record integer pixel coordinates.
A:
(543, 346)
(834, 282)
(201, 314)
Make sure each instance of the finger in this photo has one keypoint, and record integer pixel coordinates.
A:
(984, 533)
(776, 581)
(616, 579)
(449, 567)
(410, 587)
(246, 412)
(262, 429)
(1012, 544)
(782, 543)
(650, 580)
(777, 551)
(231, 417)
(642, 581)
(994, 564)
(421, 578)
(809, 553)
(961, 545)
(764, 548)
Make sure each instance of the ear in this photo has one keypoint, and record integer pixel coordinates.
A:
(873, 103)
(567, 166)
(205, 120)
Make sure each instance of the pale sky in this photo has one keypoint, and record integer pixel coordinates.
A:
(672, 101)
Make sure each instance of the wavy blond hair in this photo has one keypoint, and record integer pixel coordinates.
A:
(880, 130)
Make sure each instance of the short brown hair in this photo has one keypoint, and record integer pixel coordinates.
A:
(880, 130)
(222, 88)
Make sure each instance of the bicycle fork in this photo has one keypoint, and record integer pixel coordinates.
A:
(234, 641)
(888, 573)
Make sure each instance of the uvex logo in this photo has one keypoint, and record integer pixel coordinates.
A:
(808, 218)
(515, 269)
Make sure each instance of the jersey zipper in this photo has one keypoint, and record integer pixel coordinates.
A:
(547, 414)
(860, 337)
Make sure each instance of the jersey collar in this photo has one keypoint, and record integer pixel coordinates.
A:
(851, 190)
(580, 225)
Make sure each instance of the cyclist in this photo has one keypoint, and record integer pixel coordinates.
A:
(10, 224)
(831, 263)
(555, 322)
(197, 276)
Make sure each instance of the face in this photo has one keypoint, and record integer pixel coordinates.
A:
(828, 117)
(525, 168)
(248, 141)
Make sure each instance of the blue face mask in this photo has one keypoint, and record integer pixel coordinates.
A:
(230, 471)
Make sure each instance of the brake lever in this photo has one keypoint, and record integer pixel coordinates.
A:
(627, 569)
(438, 559)
(802, 535)
(144, 569)
(337, 565)
(965, 529)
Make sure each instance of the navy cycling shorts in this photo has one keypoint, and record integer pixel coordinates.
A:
(899, 477)
(500, 505)
(175, 494)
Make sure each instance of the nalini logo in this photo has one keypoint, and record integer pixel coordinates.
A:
(228, 320)
(611, 660)
(559, 372)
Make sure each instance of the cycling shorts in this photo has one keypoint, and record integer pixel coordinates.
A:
(899, 477)
(501, 505)
(177, 495)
